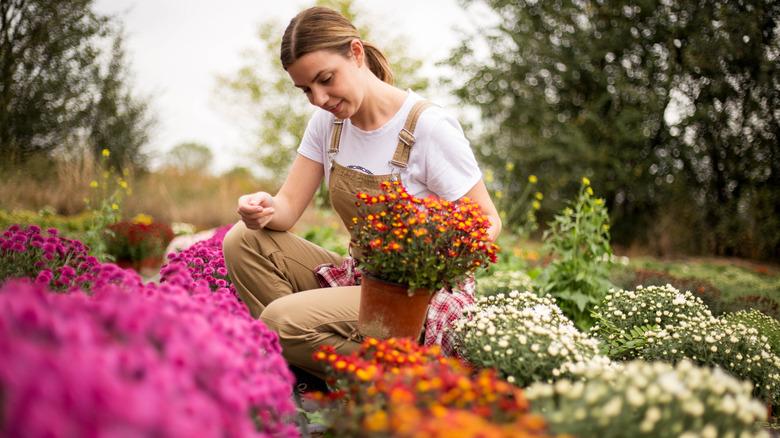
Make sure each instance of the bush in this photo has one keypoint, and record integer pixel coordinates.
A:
(624, 316)
(398, 388)
(764, 324)
(737, 348)
(578, 240)
(525, 337)
(135, 241)
(650, 400)
(204, 261)
(69, 226)
(152, 361)
(176, 359)
(504, 282)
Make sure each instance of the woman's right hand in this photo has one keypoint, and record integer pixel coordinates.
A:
(256, 209)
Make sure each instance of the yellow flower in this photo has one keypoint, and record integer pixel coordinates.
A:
(585, 181)
(489, 176)
(106, 152)
(122, 183)
(590, 191)
(502, 215)
(499, 194)
(599, 201)
(376, 422)
(539, 196)
(143, 219)
(510, 166)
(536, 205)
(605, 227)
(93, 184)
(533, 179)
(115, 206)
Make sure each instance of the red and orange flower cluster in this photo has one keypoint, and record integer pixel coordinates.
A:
(424, 243)
(398, 388)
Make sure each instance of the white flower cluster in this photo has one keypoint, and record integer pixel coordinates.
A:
(765, 324)
(643, 399)
(526, 337)
(622, 311)
(734, 346)
(504, 281)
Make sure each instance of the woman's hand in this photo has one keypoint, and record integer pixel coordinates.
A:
(256, 209)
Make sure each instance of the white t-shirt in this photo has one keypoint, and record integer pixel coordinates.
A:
(441, 161)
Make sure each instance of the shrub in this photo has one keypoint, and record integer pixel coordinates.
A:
(204, 261)
(649, 400)
(525, 337)
(504, 282)
(764, 324)
(58, 263)
(624, 316)
(151, 361)
(69, 226)
(398, 388)
(134, 241)
(578, 240)
(737, 348)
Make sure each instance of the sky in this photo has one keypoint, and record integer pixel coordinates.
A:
(177, 48)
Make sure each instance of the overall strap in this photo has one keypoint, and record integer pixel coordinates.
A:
(406, 136)
(335, 138)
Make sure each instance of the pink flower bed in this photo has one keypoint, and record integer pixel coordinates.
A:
(175, 359)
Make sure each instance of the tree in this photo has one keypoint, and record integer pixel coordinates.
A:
(55, 89)
(189, 157)
(119, 121)
(278, 111)
(670, 107)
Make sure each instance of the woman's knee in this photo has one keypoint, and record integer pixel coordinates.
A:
(231, 244)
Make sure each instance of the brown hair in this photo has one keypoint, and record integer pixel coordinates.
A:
(320, 28)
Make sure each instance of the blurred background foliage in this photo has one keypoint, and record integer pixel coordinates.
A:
(672, 109)
(65, 87)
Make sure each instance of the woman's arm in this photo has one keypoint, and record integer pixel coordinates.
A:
(480, 195)
(282, 211)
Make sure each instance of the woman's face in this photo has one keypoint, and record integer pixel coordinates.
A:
(330, 80)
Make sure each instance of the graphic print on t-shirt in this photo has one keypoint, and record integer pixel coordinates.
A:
(360, 169)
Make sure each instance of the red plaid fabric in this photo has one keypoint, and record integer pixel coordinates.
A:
(446, 305)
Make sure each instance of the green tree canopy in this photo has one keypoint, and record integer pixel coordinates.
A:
(189, 157)
(59, 86)
(670, 107)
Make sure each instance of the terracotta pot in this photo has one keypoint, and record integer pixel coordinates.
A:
(388, 311)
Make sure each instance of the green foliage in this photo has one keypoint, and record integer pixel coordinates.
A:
(624, 317)
(673, 104)
(578, 240)
(326, 237)
(59, 86)
(104, 205)
(135, 241)
(190, 157)
(279, 111)
(525, 337)
(765, 325)
(737, 348)
(649, 400)
(517, 202)
(69, 226)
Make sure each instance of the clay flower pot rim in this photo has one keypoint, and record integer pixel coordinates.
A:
(378, 279)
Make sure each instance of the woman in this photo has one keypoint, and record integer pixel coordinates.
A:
(364, 131)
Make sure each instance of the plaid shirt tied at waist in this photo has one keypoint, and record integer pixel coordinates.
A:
(446, 305)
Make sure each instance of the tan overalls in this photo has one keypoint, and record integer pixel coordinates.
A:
(273, 271)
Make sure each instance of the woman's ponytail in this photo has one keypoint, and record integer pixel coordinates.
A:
(377, 63)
